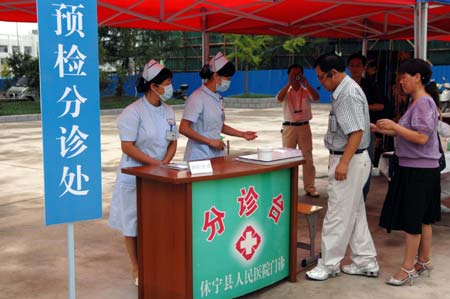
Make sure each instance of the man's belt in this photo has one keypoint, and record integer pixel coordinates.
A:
(358, 151)
(302, 123)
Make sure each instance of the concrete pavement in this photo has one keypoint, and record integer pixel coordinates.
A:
(33, 258)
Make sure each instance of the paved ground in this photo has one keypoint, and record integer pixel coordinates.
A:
(33, 261)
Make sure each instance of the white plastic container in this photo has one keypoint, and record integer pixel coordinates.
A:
(264, 153)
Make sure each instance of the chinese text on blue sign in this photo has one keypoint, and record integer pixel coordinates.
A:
(68, 58)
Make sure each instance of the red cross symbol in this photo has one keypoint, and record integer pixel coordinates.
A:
(248, 242)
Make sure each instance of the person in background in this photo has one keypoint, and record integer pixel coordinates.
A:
(148, 136)
(371, 71)
(296, 97)
(401, 99)
(356, 64)
(347, 139)
(203, 118)
(412, 203)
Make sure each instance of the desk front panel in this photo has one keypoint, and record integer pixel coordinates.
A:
(240, 233)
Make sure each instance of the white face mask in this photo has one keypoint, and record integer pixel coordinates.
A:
(167, 94)
(224, 86)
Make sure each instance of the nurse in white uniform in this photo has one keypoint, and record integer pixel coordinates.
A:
(203, 117)
(148, 135)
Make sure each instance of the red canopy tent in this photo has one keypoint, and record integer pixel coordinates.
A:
(375, 19)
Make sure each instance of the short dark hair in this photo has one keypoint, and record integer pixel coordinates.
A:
(227, 70)
(206, 72)
(357, 56)
(415, 66)
(143, 85)
(327, 62)
(295, 66)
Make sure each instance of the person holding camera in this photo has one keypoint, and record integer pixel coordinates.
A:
(296, 98)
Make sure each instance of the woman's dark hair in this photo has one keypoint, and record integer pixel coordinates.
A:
(143, 85)
(414, 66)
(227, 70)
(327, 62)
(206, 72)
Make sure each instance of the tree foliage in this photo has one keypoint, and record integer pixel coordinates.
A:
(122, 76)
(104, 80)
(5, 71)
(131, 48)
(20, 65)
(248, 48)
(293, 45)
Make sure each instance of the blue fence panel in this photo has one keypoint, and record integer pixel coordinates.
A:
(190, 78)
(5, 85)
(266, 82)
(261, 82)
(271, 81)
(440, 71)
(130, 85)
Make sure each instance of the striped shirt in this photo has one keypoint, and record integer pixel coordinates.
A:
(349, 113)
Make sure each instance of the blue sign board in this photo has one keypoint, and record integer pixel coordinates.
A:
(70, 101)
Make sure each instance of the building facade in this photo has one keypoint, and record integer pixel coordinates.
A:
(23, 43)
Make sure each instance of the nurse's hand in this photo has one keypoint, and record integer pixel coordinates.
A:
(217, 144)
(249, 135)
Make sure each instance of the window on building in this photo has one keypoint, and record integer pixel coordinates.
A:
(16, 49)
(27, 50)
(3, 49)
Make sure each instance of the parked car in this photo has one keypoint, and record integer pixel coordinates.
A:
(21, 91)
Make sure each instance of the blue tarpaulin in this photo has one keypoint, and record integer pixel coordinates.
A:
(260, 82)
(442, 1)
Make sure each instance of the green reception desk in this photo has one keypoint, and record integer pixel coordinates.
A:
(219, 235)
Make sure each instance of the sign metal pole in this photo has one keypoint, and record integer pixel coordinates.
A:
(71, 256)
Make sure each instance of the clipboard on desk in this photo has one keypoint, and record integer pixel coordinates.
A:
(176, 166)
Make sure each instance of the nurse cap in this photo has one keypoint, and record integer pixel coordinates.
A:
(151, 70)
(217, 62)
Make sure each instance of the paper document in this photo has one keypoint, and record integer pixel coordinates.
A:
(176, 166)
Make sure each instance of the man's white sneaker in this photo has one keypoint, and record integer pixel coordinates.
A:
(319, 273)
(370, 270)
(444, 209)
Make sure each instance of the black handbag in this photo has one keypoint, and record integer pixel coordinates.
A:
(393, 161)
(442, 163)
